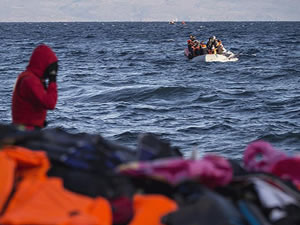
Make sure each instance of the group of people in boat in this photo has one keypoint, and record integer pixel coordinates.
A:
(196, 48)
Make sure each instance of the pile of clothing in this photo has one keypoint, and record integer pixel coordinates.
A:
(54, 177)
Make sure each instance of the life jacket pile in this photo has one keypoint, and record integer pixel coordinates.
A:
(53, 177)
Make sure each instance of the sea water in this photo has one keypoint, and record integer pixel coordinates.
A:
(123, 79)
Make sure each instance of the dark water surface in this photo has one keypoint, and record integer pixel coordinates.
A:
(123, 79)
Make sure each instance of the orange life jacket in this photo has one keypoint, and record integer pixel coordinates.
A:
(149, 209)
(28, 196)
(219, 43)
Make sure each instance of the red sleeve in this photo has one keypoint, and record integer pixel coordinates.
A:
(36, 92)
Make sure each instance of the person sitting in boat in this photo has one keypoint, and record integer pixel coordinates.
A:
(197, 50)
(211, 45)
(220, 48)
(191, 40)
(203, 48)
(191, 44)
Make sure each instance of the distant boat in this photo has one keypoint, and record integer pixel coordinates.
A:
(227, 56)
(173, 21)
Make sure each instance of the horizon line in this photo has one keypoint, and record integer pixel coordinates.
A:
(153, 21)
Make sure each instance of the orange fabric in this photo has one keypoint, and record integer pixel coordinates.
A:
(29, 164)
(40, 200)
(7, 167)
(149, 209)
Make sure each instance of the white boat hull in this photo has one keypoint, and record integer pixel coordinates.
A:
(225, 57)
(216, 58)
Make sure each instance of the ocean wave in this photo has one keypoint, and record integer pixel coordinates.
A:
(121, 79)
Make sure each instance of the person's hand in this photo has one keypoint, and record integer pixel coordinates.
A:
(51, 72)
(52, 76)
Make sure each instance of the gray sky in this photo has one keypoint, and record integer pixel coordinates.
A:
(149, 10)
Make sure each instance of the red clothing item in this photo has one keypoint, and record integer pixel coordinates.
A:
(31, 99)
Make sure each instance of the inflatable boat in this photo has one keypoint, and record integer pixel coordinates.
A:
(225, 57)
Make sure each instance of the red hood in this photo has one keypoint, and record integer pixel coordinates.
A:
(40, 59)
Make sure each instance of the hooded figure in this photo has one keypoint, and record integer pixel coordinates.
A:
(32, 97)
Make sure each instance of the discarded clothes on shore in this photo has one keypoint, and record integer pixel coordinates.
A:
(54, 177)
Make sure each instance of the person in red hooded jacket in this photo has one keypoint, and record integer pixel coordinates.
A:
(32, 94)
